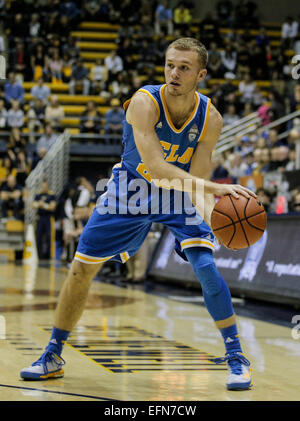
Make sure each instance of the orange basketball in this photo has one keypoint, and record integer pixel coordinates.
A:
(238, 223)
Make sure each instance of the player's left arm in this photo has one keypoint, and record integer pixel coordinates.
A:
(201, 162)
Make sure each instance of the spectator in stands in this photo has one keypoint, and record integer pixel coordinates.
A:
(79, 78)
(99, 76)
(91, 11)
(7, 168)
(69, 10)
(54, 112)
(262, 38)
(114, 65)
(129, 12)
(265, 197)
(85, 192)
(23, 167)
(182, 18)
(38, 156)
(291, 165)
(41, 91)
(90, 119)
(145, 30)
(13, 90)
(114, 120)
(257, 98)
(277, 109)
(3, 115)
(11, 198)
(120, 87)
(66, 70)
(35, 118)
(218, 171)
(37, 60)
(283, 158)
(15, 119)
(145, 56)
(229, 57)
(258, 63)
(230, 116)
(163, 18)
(209, 29)
(225, 12)
(289, 31)
(262, 157)
(55, 64)
(247, 87)
(296, 202)
(246, 14)
(243, 59)
(19, 28)
(71, 48)
(45, 204)
(47, 139)
(293, 137)
(160, 47)
(34, 26)
(295, 99)
(215, 69)
(18, 60)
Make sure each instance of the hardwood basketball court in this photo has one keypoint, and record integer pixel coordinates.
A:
(134, 345)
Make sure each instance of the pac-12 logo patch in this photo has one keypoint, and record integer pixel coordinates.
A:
(193, 133)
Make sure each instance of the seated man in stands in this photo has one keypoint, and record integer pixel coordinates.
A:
(79, 77)
(11, 198)
(47, 139)
(114, 120)
(90, 119)
(13, 90)
(41, 91)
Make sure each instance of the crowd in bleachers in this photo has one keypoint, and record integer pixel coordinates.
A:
(42, 50)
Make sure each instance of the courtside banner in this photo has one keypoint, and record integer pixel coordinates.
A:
(270, 269)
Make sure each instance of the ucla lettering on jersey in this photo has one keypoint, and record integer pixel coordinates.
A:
(178, 144)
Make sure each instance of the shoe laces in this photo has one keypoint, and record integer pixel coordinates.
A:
(235, 361)
(48, 357)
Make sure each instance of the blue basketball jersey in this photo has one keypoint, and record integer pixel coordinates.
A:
(178, 144)
(119, 234)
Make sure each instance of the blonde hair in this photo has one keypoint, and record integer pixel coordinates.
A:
(191, 44)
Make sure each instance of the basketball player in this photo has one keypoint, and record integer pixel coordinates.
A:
(170, 132)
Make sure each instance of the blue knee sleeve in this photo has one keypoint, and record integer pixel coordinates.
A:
(215, 290)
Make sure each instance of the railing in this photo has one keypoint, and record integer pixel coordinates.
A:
(54, 168)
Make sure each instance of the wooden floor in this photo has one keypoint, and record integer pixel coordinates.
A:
(133, 345)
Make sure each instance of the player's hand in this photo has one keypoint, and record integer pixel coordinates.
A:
(234, 189)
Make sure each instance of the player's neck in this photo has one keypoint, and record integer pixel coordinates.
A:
(181, 105)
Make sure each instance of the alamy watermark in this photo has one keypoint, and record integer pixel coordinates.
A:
(296, 69)
(2, 327)
(296, 329)
(126, 195)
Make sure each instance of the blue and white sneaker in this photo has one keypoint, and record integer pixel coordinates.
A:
(239, 372)
(49, 365)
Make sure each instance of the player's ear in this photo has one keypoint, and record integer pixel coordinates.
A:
(201, 75)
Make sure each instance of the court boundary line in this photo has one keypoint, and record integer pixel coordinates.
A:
(60, 393)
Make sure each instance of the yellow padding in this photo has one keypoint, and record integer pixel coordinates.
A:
(97, 45)
(93, 56)
(94, 35)
(14, 226)
(9, 253)
(73, 98)
(98, 25)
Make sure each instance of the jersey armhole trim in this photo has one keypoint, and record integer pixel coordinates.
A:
(206, 118)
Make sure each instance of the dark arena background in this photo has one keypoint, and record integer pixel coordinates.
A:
(66, 68)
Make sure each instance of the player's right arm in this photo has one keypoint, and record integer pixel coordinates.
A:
(142, 115)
